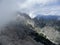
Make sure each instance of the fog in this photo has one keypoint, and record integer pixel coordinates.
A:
(8, 9)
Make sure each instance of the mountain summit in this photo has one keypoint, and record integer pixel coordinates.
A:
(22, 31)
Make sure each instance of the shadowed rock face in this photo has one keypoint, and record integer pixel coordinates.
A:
(19, 33)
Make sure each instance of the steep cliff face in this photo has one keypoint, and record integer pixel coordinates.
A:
(22, 31)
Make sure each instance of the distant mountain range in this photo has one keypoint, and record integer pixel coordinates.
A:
(47, 20)
(49, 17)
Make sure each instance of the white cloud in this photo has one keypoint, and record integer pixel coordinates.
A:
(45, 7)
(8, 9)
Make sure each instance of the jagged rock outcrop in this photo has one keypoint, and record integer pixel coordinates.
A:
(21, 31)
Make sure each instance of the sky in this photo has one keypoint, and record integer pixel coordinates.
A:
(42, 7)
(9, 8)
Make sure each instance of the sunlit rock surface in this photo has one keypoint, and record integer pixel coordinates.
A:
(50, 27)
(51, 34)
